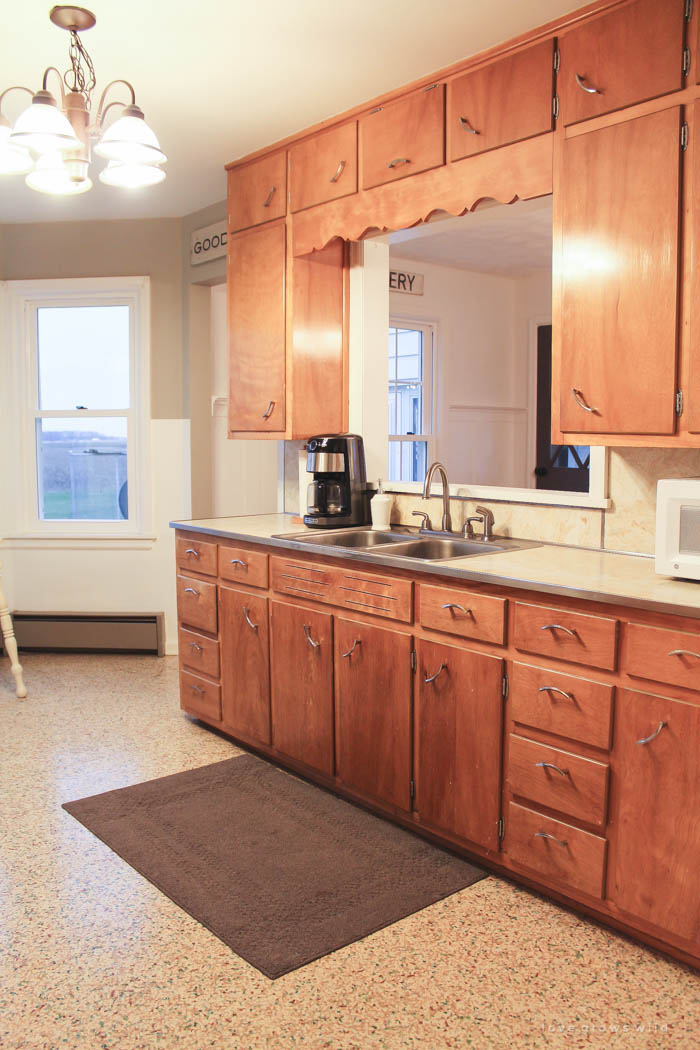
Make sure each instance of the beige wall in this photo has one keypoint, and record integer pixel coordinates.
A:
(150, 247)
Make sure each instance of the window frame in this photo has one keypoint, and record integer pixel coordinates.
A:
(430, 353)
(25, 298)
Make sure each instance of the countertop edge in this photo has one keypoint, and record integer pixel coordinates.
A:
(451, 572)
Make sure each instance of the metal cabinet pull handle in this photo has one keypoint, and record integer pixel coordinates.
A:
(196, 689)
(270, 195)
(555, 689)
(398, 160)
(191, 550)
(191, 590)
(581, 401)
(193, 645)
(269, 410)
(250, 622)
(467, 126)
(545, 835)
(684, 652)
(432, 677)
(237, 561)
(355, 644)
(338, 171)
(459, 608)
(557, 627)
(647, 739)
(550, 765)
(585, 87)
(307, 632)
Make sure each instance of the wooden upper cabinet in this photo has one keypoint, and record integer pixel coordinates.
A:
(404, 137)
(694, 377)
(257, 192)
(256, 330)
(619, 199)
(324, 167)
(633, 54)
(657, 853)
(509, 100)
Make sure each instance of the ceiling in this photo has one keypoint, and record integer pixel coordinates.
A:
(223, 78)
(509, 240)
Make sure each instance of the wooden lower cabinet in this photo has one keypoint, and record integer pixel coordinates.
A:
(459, 729)
(373, 712)
(245, 664)
(301, 680)
(654, 870)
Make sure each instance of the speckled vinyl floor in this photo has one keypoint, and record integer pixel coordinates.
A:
(93, 956)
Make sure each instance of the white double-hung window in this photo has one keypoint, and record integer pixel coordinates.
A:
(80, 374)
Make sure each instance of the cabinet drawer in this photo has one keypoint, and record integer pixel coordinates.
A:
(196, 555)
(556, 851)
(504, 102)
(371, 593)
(561, 704)
(199, 696)
(196, 603)
(243, 566)
(627, 56)
(464, 613)
(198, 652)
(663, 656)
(557, 779)
(257, 192)
(301, 579)
(403, 138)
(324, 167)
(565, 635)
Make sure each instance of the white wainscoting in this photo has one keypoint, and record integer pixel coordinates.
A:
(487, 444)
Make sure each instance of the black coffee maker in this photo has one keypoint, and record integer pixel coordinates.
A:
(337, 497)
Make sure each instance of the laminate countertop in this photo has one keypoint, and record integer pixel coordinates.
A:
(574, 572)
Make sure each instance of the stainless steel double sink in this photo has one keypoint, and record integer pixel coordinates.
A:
(395, 543)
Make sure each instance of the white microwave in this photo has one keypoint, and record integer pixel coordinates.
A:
(678, 528)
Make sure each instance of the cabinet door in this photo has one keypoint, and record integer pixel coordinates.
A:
(656, 858)
(404, 137)
(245, 667)
(459, 721)
(256, 330)
(257, 192)
(324, 167)
(373, 714)
(301, 678)
(507, 101)
(620, 243)
(624, 57)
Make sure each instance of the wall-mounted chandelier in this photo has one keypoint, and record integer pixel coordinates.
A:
(51, 143)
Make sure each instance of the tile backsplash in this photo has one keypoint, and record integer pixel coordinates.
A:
(627, 525)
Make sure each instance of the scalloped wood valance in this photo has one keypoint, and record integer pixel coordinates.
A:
(517, 172)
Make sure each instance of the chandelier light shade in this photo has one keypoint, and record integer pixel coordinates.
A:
(52, 142)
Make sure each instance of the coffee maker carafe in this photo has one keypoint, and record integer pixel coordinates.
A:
(337, 497)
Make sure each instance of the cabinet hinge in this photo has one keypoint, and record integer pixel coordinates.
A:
(686, 61)
(504, 686)
(684, 135)
(688, 9)
(414, 662)
(557, 59)
(501, 829)
(555, 107)
(412, 788)
(679, 402)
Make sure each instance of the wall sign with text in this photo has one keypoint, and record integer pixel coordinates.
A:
(402, 281)
(208, 243)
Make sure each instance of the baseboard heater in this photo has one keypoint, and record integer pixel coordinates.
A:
(90, 632)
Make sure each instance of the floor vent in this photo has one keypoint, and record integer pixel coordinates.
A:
(90, 632)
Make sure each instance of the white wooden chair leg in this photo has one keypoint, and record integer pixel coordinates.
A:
(8, 637)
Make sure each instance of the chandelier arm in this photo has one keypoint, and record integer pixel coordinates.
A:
(101, 113)
(60, 81)
(15, 87)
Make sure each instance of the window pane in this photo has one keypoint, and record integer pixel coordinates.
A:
(408, 460)
(82, 468)
(409, 362)
(83, 357)
(410, 409)
(394, 461)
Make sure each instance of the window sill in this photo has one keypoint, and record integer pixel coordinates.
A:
(76, 541)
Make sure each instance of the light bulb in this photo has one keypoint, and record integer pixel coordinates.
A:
(131, 176)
